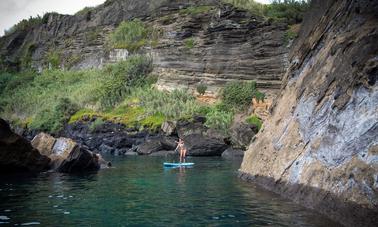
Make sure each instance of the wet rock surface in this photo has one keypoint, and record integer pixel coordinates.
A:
(17, 154)
(319, 146)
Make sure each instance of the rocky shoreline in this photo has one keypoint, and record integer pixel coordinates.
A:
(79, 145)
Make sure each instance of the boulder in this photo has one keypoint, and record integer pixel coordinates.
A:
(193, 126)
(68, 156)
(157, 144)
(231, 153)
(198, 145)
(242, 134)
(17, 155)
(169, 127)
(150, 146)
(80, 159)
(44, 143)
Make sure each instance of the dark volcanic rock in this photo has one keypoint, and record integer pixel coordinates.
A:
(157, 144)
(80, 160)
(199, 145)
(17, 154)
(242, 134)
(231, 153)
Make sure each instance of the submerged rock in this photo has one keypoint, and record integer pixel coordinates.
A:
(17, 155)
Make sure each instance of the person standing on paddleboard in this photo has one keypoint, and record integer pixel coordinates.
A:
(182, 149)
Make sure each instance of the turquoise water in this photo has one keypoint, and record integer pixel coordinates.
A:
(138, 191)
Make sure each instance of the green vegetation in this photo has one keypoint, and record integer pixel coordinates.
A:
(289, 10)
(41, 97)
(132, 35)
(238, 95)
(129, 35)
(189, 43)
(218, 118)
(53, 59)
(201, 88)
(96, 124)
(24, 24)
(291, 33)
(254, 120)
(195, 10)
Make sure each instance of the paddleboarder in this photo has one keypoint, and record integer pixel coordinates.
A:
(182, 149)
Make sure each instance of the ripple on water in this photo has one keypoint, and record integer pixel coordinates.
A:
(31, 223)
(3, 218)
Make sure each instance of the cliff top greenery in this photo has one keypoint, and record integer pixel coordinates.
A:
(291, 11)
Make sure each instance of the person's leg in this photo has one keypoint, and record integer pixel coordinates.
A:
(184, 154)
(180, 155)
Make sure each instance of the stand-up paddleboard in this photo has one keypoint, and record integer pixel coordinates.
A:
(177, 164)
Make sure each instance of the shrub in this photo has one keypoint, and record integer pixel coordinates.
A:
(53, 120)
(195, 10)
(96, 124)
(189, 43)
(291, 11)
(123, 76)
(201, 89)
(129, 35)
(219, 119)
(238, 95)
(53, 59)
(254, 120)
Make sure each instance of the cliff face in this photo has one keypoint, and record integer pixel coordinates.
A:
(226, 43)
(320, 148)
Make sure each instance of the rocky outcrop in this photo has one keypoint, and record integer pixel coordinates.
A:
(319, 148)
(66, 155)
(17, 154)
(201, 41)
(242, 134)
(231, 153)
(199, 145)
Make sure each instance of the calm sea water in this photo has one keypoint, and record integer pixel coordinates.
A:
(138, 191)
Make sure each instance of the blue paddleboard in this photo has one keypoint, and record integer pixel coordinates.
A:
(174, 164)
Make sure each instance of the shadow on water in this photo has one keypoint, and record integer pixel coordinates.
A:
(140, 191)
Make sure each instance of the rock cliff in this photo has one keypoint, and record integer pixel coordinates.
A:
(200, 41)
(320, 147)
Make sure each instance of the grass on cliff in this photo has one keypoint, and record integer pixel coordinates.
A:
(291, 11)
(134, 34)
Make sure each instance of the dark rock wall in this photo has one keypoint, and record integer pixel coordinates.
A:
(319, 148)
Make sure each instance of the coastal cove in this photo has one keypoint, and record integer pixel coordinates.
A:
(137, 190)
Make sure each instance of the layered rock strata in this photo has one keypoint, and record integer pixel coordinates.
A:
(320, 146)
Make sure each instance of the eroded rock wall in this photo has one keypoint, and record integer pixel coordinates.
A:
(213, 45)
(320, 147)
